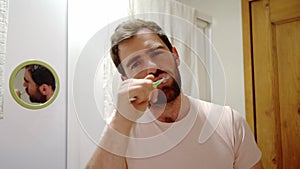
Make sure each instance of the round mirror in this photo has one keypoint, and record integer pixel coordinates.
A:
(34, 84)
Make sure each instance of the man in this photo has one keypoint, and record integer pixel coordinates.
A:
(39, 83)
(143, 55)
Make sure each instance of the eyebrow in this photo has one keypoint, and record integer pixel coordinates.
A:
(155, 46)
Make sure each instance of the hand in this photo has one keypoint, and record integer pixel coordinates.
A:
(142, 91)
(18, 92)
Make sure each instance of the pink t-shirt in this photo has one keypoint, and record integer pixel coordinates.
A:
(209, 137)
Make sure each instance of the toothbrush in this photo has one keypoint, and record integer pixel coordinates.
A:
(155, 84)
(158, 82)
(22, 92)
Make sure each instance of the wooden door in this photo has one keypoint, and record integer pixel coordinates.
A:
(271, 31)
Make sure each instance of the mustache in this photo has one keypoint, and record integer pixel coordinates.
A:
(158, 72)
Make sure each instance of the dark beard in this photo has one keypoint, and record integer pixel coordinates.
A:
(169, 93)
(40, 99)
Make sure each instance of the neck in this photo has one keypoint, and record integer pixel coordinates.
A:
(172, 111)
(49, 95)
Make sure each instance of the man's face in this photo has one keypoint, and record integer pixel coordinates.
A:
(32, 89)
(146, 53)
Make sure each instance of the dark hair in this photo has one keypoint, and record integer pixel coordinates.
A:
(41, 75)
(127, 30)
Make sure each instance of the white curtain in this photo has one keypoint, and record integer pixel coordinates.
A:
(188, 33)
(3, 36)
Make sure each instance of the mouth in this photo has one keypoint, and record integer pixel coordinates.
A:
(161, 81)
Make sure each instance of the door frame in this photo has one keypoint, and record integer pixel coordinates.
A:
(248, 64)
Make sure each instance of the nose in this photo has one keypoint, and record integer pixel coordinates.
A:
(150, 63)
(151, 67)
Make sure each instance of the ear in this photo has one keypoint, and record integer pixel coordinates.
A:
(176, 56)
(44, 89)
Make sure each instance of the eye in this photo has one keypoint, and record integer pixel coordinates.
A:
(25, 80)
(135, 64)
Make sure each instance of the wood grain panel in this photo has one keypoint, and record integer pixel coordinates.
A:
(247, 46)
(283, 10)
(265, 85)
(288, 54)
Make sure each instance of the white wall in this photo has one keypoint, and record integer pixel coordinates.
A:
(35, 139)
(227, 39)
(85, 19)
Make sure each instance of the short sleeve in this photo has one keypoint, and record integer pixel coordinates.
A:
(246, 151)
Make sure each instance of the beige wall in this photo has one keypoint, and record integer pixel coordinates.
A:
(227, 39)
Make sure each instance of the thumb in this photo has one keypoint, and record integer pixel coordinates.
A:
(150, 77)
(153, 96)
(154, 93)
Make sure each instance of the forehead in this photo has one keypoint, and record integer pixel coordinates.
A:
(144, 39)
(27, 75)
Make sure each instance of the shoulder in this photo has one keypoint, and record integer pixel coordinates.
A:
(216, 120)
(226, 124)
(211, 110)
(219, 119)
(224, 112)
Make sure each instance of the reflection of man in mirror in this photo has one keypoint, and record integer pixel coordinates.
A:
(39, 83)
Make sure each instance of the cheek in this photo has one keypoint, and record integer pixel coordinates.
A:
(168, 65)
(136, 74)
(166, 61)
(31, 88)
(140, 75)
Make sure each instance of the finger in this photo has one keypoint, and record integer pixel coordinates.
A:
(138, 82)
(153, 96)
(140, 93)
(141, 107)
(18, 92)
(150, 77)
(139, 89)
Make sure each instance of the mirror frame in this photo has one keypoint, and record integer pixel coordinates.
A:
(18, 99)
